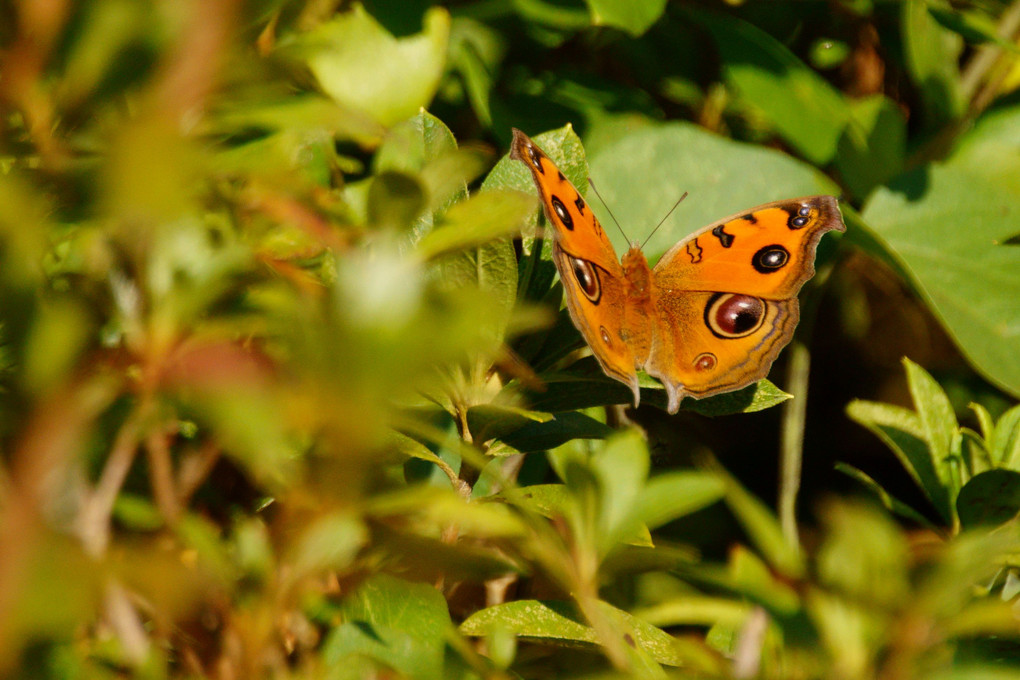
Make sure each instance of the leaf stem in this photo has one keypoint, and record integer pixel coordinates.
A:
(792, 440)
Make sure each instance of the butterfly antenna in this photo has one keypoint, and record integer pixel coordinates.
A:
(604, 205)
(664, 219)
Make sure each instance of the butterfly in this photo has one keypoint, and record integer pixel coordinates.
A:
(716, 309)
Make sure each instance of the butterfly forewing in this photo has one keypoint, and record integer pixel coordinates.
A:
(767, 251)
(593, 279)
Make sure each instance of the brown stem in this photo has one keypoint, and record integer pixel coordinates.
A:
(161, 474)
(94, 519)
(194, 470)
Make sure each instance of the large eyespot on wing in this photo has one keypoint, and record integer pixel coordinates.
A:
(730, 316)
(708, 343)
(587, 277)
(596, 300)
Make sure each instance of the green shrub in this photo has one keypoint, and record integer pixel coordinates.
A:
(286, 389)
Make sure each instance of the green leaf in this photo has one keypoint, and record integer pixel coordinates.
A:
(548, 500)
(826, 53)
(975, 26)
(482, 218)
(864, 555)
(58, 587)
(544, 350)
(247, 424)
(476, 51)
(985, 424)
(424, 147)
(443, 506)
(559, 623)
(950, 226)
(679, 154)
(902, 431)
(491, 421)
(749, 576)
(330, 542)
(137, 512)
(412, 448)
(430, 558)
(757, 397)
(1005, 446)
(695, 610)
(675, 494)
(394, 200)
(491, 265)
(414, 143)
(800, 105)
(989, 499)
(762, 527)
(296, 119)
(633, 16)
(557, 501)
(621, 466)
(399, 624)
(563, 427)
(584, 385)
(362, 66)
(872, 149)
(60, 332)
(889, 501)
(553, 14)
(938, 422)
(931, 54)
(212, 557)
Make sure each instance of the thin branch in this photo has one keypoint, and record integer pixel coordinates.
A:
(94, 520)
(194, 470)
(161, 474)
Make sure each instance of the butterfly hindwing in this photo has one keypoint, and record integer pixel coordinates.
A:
(702, 347)
(726, 297)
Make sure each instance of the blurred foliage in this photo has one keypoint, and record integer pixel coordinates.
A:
(286, 389)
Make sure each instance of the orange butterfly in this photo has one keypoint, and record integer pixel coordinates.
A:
(717, 308)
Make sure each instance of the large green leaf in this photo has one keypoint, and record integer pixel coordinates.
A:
(397, 623)
(872, 149)
(799, 104)
(621, 467)
(642, 174)
(931, 53)
(989, 499)
(559, 623)
(633, 16)
(540, 436)
(477, 221)
(903, 432)
(951, 225)
(938, 421)
(361, 65)
(675, 494)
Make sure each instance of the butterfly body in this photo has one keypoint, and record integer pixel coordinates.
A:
(713, 313)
